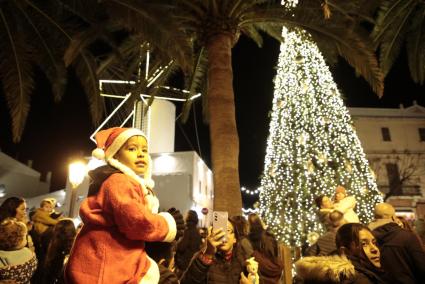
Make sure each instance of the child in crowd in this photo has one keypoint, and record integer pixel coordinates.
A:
(17, 262)
(42, 216)
(120, 215)
(345, 204)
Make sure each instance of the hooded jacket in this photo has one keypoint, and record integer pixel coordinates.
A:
(334, 269)
(402, 255)
(117, 221)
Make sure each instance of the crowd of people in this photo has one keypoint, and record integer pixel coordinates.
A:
(387, 250)
(125, 239)
(34, 247)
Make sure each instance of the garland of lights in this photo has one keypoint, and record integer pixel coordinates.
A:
(251, 192)
(312, 146)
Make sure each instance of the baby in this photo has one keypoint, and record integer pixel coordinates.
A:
(42, 217)
(342, 203)
(345, 204)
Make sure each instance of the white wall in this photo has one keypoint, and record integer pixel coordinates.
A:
(20, 180)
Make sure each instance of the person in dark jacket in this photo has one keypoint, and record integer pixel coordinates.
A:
(242, 229)
(162, 253)
(325, 245)
(220, 261)
(357, 242)
(358, 262)
(403, 257)
(266, 250)
(58, 250)
(189, 244)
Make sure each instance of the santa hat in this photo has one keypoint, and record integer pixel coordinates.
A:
(340, 189)
(109, 141)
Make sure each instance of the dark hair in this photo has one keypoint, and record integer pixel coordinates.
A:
(191, 219)
(160, 250)
(9, 206)
(240, 226)
(261, 240)
(347, 239)
(60, 244)
(318, 200)
(235, 228)
(335, 218)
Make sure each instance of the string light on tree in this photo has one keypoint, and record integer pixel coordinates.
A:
(312, 146)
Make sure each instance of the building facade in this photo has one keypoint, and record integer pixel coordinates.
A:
(18, 179)
(394, 142)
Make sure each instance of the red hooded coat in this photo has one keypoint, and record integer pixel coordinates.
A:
(110, 247)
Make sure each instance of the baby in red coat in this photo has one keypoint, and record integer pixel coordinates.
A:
(120, 214)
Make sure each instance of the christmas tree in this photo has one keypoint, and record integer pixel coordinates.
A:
(312, 145)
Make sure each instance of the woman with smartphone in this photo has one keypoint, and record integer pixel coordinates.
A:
(220, 261)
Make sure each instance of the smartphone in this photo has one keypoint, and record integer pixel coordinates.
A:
(220, 221)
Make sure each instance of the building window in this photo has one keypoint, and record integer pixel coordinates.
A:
(394, 180)
(386, 134)
(421, 134)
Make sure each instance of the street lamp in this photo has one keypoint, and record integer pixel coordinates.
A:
(76, 174)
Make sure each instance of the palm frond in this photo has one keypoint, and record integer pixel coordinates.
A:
(273, 30)
(196, 82)
(83, 40)
(415, 44)
(15, 71)
(48, 46)
(85, 68)
(142, 18)
(252, 32)
(348, 40)
(363, 59)
(393, 24)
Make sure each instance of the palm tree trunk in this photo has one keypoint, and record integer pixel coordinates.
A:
(223, 132)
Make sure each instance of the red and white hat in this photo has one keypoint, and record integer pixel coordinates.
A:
(109, 141)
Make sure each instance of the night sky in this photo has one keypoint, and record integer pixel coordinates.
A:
(56, 133)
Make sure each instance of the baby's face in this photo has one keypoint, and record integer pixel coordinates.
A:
(48, 207)
(339, 196)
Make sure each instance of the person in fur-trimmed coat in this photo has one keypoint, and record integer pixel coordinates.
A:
(358, 262)
(119, 215)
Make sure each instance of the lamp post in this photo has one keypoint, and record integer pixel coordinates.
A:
(76, 174)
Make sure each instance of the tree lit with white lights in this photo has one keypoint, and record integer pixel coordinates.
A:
(312, 145)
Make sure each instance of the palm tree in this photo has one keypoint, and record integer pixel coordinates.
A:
(399, 23)
(216, 25)
(211, 28)
(54, 35)
(23, 42)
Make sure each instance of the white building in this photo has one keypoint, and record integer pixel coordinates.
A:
(394, 142)
(182, 179)
(17, 179)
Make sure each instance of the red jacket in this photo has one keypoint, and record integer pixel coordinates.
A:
(110, 246)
